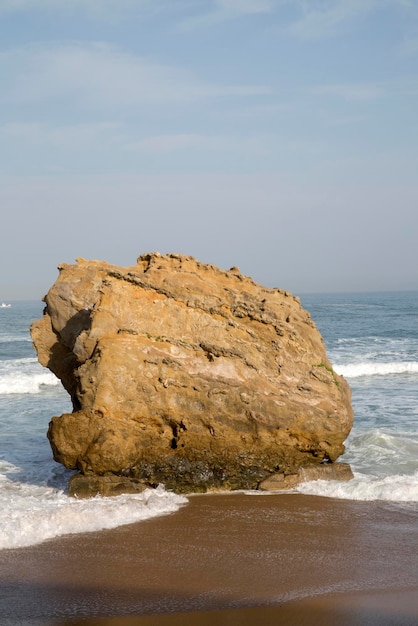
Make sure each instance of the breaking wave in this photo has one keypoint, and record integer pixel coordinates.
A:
(355, 370)
(394, 488)
(31, 514)
(24, 376)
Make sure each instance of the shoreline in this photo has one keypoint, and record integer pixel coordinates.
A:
(306, 558)
(383, 608)
(395, 608)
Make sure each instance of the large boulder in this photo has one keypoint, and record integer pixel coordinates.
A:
(184, 374)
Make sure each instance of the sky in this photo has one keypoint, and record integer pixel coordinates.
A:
(280, 136)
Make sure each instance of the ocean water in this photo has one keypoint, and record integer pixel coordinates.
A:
(372, 339)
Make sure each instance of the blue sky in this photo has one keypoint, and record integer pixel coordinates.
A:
(277, 135)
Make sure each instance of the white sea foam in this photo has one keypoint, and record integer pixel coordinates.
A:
(394, 488)
(32, 514)
(355, 370)
(382, 450)
(385, 467)
(24, 376)
(380, 453)
(7, 338)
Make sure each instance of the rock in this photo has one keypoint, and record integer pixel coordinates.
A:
(184, 374)
(323, 471)
(82, 486)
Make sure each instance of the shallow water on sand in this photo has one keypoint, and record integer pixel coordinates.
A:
(219, 552)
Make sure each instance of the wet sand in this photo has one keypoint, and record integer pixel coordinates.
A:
(225, 560)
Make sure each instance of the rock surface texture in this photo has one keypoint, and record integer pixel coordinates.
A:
(184, 374)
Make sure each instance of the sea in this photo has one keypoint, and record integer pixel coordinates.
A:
(371, 339)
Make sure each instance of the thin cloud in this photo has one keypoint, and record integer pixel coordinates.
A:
(312, 19)
(101, 77)
(246, 6)
(106, 10)
(225, 10)
(325, 18)
(360, 92)
(345, 120)
(97, 8)
(305, 19)
(410, 46)
(164, 144)
(403, 86)
(194, 142)
(66, 136)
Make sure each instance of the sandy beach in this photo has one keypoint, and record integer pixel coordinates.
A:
(225, 559)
